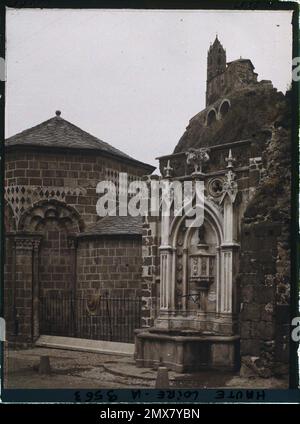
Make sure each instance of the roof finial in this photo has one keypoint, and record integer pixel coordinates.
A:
(230, 159)
(168, 169)
(58, 113)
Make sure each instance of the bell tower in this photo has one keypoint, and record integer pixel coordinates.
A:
(216, 65)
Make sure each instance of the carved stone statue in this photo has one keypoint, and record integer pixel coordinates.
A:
(197, 157)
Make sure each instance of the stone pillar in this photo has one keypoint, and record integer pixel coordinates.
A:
(72, 244)
(167, 291)
(228, 251)
(150, 257)
(167, 257)
(150, 270)
(35, 290)
(9, 285)
(185, 277)
(226, 298)
(167, 271)
(26, 288)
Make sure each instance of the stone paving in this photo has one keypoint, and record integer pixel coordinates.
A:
(72, 369)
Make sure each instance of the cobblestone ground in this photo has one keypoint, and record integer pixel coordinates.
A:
(82, 370)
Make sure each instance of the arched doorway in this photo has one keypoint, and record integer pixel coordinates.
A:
(54, 264)
(197, 261)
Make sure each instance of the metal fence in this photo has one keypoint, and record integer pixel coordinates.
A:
(102, 318)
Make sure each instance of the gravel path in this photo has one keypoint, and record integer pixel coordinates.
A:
(83, 370)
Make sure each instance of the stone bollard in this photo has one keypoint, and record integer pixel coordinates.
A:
(162, 379)
(6, 363)
(44, 367)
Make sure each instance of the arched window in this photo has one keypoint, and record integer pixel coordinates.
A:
(57, 222)
(224, 108)
(211, 117)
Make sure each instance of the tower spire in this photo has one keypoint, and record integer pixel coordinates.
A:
(216, 65)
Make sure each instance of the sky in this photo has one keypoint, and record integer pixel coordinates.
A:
(131, 78)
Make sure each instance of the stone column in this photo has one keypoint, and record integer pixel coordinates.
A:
(185, 276)
(72, 244)
(26, 288)
(228, 250)
(150, 257)
(9, 287)
(167, 291)
(226, 295)
(228, 258)
(35, 290)
(167, 259)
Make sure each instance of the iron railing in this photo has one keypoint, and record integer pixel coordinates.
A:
(100, 318)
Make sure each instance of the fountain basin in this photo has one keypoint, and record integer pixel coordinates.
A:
(186, 350)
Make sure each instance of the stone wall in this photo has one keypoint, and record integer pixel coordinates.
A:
(258, 304)
(109, 264)
(50, 198)
(20, 295)
(150, 275)
(8, 301)
(9, 269)
(237, 75)
(68, 177)
(265, 263)
(56, 259)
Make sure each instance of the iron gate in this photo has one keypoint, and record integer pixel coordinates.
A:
(103, 318)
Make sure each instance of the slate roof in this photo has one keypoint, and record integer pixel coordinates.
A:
(59, 133)
(115, 225)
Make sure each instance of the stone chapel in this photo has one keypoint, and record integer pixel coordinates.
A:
(68, 272)
(218, 296)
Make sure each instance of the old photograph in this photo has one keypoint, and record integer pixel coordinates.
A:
(147, 198)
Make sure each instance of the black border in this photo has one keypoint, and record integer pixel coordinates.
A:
(2, 171)
(156, 4)
(294, 231)
(206, 395)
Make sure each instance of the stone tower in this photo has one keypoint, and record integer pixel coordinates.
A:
(216, 65)
(217, 295)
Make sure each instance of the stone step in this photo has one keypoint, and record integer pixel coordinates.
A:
(86, 345)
